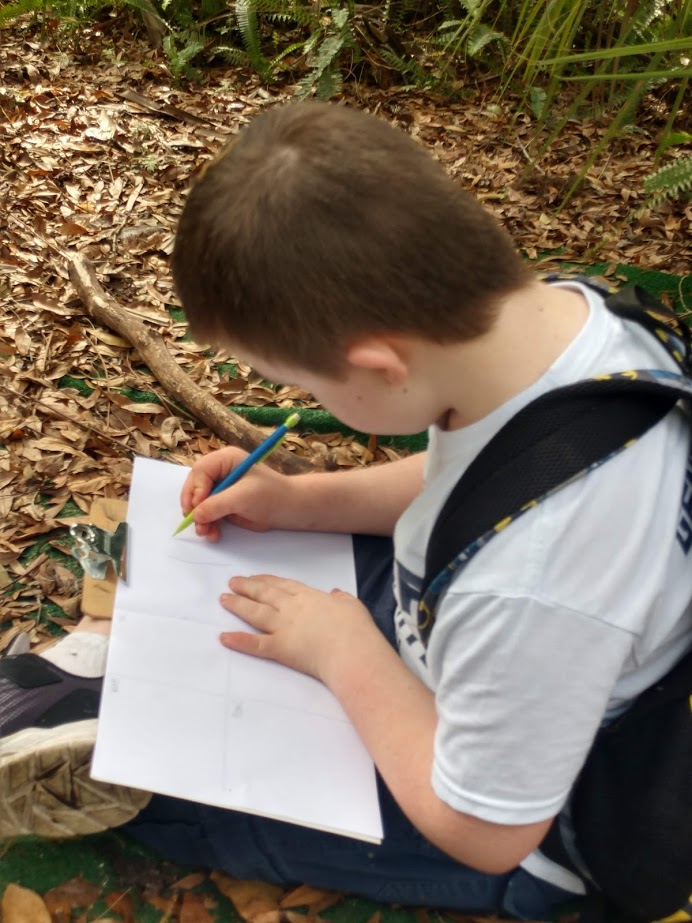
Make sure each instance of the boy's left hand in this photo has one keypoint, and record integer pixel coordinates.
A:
(300, 627)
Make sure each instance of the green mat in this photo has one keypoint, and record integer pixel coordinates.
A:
(114, 863)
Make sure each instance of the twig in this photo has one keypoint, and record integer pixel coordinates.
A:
(153, 351)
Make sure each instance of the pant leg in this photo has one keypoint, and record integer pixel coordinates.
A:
(405, 868)
(374, 558)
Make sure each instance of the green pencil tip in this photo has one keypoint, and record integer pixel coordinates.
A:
(184, 524)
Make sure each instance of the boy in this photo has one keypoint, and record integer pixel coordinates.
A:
(329, 250)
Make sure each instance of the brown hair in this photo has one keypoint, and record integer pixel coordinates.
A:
(320, 224)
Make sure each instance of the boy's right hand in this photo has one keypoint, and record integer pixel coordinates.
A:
(258, 501)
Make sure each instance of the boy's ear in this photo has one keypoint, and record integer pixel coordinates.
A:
(387, 355)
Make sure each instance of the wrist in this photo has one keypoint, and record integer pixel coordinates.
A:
(360, 649)
(311, 506)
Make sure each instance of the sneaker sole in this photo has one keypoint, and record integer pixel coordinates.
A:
(47, 789)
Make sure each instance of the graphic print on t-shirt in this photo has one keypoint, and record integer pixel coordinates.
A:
(684, 531)
(408, 587)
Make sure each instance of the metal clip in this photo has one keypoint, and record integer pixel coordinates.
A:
(95, 547)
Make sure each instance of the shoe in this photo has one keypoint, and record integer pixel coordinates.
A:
(48, 721)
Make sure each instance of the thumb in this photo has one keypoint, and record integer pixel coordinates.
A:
(212, 509)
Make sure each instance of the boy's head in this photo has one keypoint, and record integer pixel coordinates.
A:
(321, 225)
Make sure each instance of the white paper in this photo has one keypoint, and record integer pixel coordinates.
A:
(184, 716)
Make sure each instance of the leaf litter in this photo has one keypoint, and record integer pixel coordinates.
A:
(98, 147)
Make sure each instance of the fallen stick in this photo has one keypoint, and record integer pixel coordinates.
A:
(229, 426)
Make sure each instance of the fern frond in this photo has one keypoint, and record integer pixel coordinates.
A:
(449, 24)
(301, 16)
(326, 54)
(291, 49)
(329, 83)
(671, 180)
(472, 7)
(415, 75)
(281, 18)
(246, 17)
(481, 36)
(233, 55)
(179, 59)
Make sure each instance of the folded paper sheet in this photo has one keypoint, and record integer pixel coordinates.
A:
(183, 716)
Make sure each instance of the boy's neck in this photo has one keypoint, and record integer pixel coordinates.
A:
(533, 328)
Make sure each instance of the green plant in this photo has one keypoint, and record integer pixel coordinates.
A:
(72, 14)
(252, 18)
(20, 8)
(413, 73)
(568, 59)
(181, 48)
(247, 17)
(646, 45)
(323, 50)
(671, 181)
(325, 37)
(468, 35)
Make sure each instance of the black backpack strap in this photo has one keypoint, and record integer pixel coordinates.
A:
(632, 302)
(557, 438)
(635, 303)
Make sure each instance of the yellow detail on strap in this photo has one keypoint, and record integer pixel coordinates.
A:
(428, 615)
(631, 374)
(502, 524)
(680, 916)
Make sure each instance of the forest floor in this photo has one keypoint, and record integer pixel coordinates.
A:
(98, 147)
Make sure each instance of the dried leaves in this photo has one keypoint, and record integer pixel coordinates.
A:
(86, 164)
(19, 905)
(89, 164)
(96, 152)
(189, 900)
(196, 898)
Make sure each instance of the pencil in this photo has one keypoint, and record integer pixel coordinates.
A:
(259, 454)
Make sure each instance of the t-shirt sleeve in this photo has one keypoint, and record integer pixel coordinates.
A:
(522, 686)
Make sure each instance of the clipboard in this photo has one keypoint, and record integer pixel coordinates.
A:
(98, 596)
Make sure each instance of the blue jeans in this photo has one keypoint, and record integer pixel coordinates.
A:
(405, 868)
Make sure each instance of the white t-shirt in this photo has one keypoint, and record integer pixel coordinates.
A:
(567, 614)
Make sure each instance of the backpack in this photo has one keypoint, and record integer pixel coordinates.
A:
(631, 806)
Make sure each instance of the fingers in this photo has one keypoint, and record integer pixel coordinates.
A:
(212, 509)
(244, 643)
(256, 605)
(259, 600)
(207, 472)
(265, 589)
(210, 531)
(266, 583)
(195, 489)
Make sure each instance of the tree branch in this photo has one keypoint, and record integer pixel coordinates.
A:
(229, 426)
